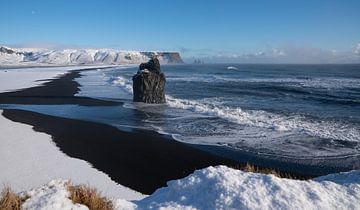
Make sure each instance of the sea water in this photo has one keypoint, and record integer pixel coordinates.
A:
(299, 112)
(281, 110)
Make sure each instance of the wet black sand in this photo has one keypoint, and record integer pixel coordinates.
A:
(141, 160)
(55, 91)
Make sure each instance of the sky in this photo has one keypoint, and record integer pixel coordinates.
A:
(303, 31)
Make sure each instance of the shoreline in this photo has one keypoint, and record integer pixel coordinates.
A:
(143, 161)
(60, 90)
(139, 159)
(11, 67)
(298, 168)
(38, 160)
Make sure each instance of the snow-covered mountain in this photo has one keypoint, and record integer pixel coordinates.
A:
(25, 56)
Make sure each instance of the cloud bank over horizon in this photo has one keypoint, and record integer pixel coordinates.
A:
(288, 54)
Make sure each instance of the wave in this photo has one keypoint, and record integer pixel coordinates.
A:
(124, 83)
(334, 130)
(306, 82)
(231, 68)
(263, 119)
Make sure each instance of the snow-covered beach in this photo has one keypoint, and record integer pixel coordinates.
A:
(35, 154)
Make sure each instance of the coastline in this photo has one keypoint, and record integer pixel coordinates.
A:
(36, 65)
(56, 91)
(30, 159)
(143, 161)
(307, 168)
(139, 159)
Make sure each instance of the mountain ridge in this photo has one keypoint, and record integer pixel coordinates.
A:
(26, 56)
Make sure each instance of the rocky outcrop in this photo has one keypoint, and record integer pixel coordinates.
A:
(149, 83)
(153, 66)
(6, 50)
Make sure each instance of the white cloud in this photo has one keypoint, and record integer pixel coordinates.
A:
(288, 54)
(357, 49)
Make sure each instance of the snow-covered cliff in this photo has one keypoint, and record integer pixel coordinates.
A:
(12, 56)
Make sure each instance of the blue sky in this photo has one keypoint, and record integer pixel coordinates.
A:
(209, 29)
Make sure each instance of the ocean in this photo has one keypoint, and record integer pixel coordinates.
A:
(305, 113)
(296, 111)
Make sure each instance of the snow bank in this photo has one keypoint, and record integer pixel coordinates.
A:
(51, 196)
(30, 159)
(225, 188)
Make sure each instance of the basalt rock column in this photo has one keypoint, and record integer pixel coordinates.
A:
(149, 83)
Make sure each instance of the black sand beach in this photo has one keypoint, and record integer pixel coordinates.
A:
(55, 91)
(139, 159)
(143, 161)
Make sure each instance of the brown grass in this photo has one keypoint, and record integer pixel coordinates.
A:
(10, 200)
(251, 168)
(89, 197)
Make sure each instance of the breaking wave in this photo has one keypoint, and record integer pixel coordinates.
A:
(263, 119)
(326, 83)
(124, 83)
(335, 130)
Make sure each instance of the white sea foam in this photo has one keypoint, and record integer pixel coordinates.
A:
(231, 68)
(262, 119)
(324, 82)
(125, 83)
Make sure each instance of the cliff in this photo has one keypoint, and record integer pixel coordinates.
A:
(13, 56)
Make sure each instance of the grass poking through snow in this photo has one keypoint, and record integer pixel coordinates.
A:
(92, 198)
(89, 197)
(10, 200)
(251, 168)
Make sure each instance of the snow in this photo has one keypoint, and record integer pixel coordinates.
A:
(79, 57)
(225, 188)
(54, 195)
(14, 79)
(30, 159)
(23, 78)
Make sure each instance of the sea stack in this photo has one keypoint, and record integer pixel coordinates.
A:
(149, 83)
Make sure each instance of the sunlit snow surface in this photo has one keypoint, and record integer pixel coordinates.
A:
(29, 159)
(19, 78)
(225, 188)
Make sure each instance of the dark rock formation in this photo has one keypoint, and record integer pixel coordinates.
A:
(153, 65)
(149, 83)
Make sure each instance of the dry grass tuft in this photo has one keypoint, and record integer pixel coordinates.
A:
(251, 168)
(89, 197)
(10, 200)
